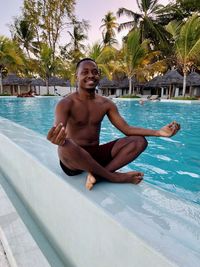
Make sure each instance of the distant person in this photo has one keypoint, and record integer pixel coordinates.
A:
(77, 128)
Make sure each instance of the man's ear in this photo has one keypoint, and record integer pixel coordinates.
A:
(76, 76)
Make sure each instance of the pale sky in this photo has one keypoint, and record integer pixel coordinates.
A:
(90, 10)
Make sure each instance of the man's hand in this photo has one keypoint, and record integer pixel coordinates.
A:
(169, 130)
(57, 135)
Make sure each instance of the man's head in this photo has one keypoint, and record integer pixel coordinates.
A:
(87, 73)
(83, 60)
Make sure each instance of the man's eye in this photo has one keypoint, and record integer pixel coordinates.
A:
(84, 72)
(95, 72)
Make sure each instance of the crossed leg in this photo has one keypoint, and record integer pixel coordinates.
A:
(123, 152)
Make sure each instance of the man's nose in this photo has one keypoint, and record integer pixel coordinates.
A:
(90, 74)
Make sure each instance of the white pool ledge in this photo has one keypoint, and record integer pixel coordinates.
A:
(112, 225)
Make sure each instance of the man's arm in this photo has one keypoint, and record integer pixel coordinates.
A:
(116, 119)
(57, 134)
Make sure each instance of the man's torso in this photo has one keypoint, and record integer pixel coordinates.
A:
(85, 117)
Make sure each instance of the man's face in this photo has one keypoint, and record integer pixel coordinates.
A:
(87, 75)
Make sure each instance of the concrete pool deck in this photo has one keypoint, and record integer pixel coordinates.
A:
(112, 225)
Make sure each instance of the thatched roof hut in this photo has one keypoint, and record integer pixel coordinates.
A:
(55, 81)
(155, 82)
(13, 79)
(172, 77)
(193, 79)
(124, 83)
(38, 82)
(106, 83)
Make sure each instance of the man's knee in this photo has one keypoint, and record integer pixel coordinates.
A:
(144, 142)
(68, 149)
(140, 142)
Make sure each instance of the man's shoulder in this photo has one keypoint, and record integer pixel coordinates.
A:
(104, 100)
(67, 100)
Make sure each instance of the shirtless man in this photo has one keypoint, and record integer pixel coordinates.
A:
(77, 127)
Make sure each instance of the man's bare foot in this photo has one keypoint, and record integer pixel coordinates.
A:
(133, 177)
(90, 181)
(136, 177)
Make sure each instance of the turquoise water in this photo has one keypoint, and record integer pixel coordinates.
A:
(170, 163)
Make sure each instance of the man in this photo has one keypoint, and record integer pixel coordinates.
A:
(76, 131)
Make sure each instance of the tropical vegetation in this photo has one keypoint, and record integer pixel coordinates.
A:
(159, 38)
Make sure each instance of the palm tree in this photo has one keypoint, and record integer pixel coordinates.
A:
(23, 33)
(109, 26)
(133, 54)
(146, 21)
(48, 64)
(104, 57)
(74, 49)
(187, 43)
(95, 50)
(10, 57)
(179, 10)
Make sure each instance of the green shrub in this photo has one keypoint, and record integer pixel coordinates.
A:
(185, 98)
(5, 94)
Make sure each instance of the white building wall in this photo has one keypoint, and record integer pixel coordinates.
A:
(61, 90)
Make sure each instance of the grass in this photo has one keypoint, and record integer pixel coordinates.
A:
(5, 94)
(185, 98)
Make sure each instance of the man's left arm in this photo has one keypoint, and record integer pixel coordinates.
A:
(116, 119)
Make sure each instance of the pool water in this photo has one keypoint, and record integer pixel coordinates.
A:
(173, 164)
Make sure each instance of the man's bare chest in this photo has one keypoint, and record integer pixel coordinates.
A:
(89, 115)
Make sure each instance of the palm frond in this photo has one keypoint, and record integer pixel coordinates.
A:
(126, 25)
(124, 11)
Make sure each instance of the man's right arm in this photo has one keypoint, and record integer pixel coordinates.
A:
(57, 134)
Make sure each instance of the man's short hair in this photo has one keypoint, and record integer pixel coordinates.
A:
(84, 59)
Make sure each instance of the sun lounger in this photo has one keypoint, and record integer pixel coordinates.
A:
(154, 97)
(145, 97)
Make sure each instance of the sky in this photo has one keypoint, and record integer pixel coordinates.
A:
(91, 10)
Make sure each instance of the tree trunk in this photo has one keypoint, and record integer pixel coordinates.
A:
(47, 85)
(170, 87)
(18, 90)
(173, 90)
(1, 83)
(130, 85)
(184, 83)
(190, 91)
(133, 90)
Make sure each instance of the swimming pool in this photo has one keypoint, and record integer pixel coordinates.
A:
(170, 163)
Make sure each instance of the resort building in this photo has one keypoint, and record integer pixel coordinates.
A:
(167, 86)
